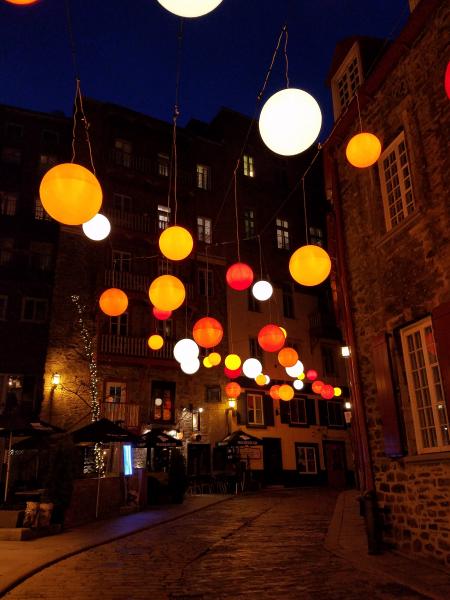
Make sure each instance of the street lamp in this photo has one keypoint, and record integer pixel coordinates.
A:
(345, 351)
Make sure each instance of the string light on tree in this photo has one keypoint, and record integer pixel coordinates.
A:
(182, 8)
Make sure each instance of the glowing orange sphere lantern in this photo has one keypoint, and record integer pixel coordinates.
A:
(239, 276)
(232, 373)
(22, 2)
(161, 315)
(70, 194)
(311, 374)
(260, 379)
(274, 392)
(310, 265)
(176, 243)
(363, 150)
(271, 338)
(317, 386)
(155, 342)
(167, 292)
(287, 357)
(286, 392)
(113, 302)
(207, 332)
(447, 80)
(214, 358)
(232, 390)
(327, 392)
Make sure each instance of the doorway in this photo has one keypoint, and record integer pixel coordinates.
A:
(199, 459)
(335, 463)
(273, 463)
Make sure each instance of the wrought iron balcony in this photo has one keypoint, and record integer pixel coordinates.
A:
(131, 220)
(127, 281)
(133, 346)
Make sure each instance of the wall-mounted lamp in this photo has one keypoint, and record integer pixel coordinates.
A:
(200, 410)
(56, 379)
(347, 405)
(345, 351)
(232, 403)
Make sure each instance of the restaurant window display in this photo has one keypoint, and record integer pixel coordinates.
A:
(162, 404)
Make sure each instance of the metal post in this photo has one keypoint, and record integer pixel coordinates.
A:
(8, 466)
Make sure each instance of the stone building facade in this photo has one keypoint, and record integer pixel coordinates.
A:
(389, 224)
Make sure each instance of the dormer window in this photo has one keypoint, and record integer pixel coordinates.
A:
(346, 80)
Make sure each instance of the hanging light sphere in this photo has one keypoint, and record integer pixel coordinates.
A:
(190, 366)
(239, 276)
(311, 374)
(327, 392)
(70, 194)
(447, 80)
(267, 379)
(21, 2)
(286, 392)
(284, 332)
(287, 357)
(113, 302)
(185, 349)
(290, 122)
(233, 390)
(98, 228)
(295, 370)
(262, 290)
(302, 376)
(252, 367)
(207, 332)
(176, 242)
(274, 392)
(155, 342)
(363, 150)
(310, 265)
(207, 362)
(232, 373)
(233, 362)
(260, 379)
(214, 358)
(271, 338)
(182, 8)
(317, 386)
(298, 384)
(161, 315)
(167, 292)
(337, 391)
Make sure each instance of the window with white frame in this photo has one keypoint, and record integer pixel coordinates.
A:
(119, 325)
(306, 459)
(163, 217)
(163, 165)
(8, 203)
(425, 387)
(249, 222)
(116, 391)
(3, 306)
(282, 234)
(248, 164)
(203, 177)
(40, 214)
(335, 415)
(123, 151)
(346, 80)
(396, 185)
(297, 411)
(34, 310)
(122, 203)
(121, 261)
(255, 411)
(204, 227)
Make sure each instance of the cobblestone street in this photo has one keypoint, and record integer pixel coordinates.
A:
(263, 546)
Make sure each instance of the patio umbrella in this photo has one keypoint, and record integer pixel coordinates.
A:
(241, 439)
(156, 438)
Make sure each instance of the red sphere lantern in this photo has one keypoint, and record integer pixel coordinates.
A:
(232, 374)
(232, 389)
(311, 374)
(239, 276)
(327, 392)
(207, 332)
(113, 302)
(317, 386)
(274, 392)
(162, 315)
(271, 338)
(287, 357)
(447, 80)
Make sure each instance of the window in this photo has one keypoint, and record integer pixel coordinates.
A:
(14, 132)
(306, 459)
(163, 165)
(122, 203)
(255, 412)
(425, 387)
(396, 186)
(297, 411)
(162, 402)
(335, 416)
(40, 214)
(316, 236)
(203, 177)
(213, 393)
(41, 256)
(46, 161)
(122, 155)
(34, 310)
(248, 164)
(328, 362)
(205, 282)
(116, 391)
(121, 261)
(3, 306)
(253, 304)
(119, 325)
(288, 301)
(6, 250)
(249, 222)
(11, 156)
(165, 328)
(204, 230)
(8, 204)
(346, 81)
(282, 234)
(163, 217)
(255, 349)
(50, 138)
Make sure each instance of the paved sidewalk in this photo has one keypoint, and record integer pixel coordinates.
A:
(347, 538)
(20, 560)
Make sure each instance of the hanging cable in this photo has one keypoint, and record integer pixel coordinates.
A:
(207, 281)
(237, 216)
(260, 257)
(359, 110)
(304, 210)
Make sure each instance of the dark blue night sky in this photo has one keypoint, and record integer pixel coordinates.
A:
(127, 51)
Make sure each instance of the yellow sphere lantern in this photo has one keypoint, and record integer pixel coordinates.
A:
(155, 342)
(113, 302)
(337, 391)
(310, 265)
(207, 362)
(71, 194)
(260, 379)
(167, 292)
(363, 150)
(284, 331)
(232, 362)
(181, 8)
(214, 358)
(286, 392)
(176, 242)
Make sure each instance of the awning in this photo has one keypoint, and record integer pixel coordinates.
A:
(241, 439)
(156, 438)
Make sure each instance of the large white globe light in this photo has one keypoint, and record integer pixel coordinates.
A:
(252, 368)
(295, 370)
(290, 122)
(298, 384)
(190, 8)
(262, 290)
(185, 350)
(97, 228)
(190, 366)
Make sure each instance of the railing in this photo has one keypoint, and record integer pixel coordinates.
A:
(127, 413)
(133, 346)
(127, 281)
(130, 220)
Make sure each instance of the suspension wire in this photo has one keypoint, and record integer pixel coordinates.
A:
(237, 216)
(71, 39)
(260, 256)
(286, 56)
(304, 210)
(359, 110)
(207, 280)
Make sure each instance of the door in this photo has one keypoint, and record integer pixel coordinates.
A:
(199, 459)
(273, 464)
(335, 463)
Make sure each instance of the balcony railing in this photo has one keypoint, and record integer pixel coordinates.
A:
(133, 346)
(130, 220)
(127, 281)
(128, 414)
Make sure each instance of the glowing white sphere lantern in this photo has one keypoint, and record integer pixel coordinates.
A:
(290, 122)
(262, 290)
(296, 370)
(98, 228)
(298, 384)
(185, 350)
(251, 368)
(267, 379)
(190, 366)
(183, 8)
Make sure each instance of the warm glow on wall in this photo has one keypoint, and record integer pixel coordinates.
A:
(176, 242)
(363, 150)
(310, 265)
